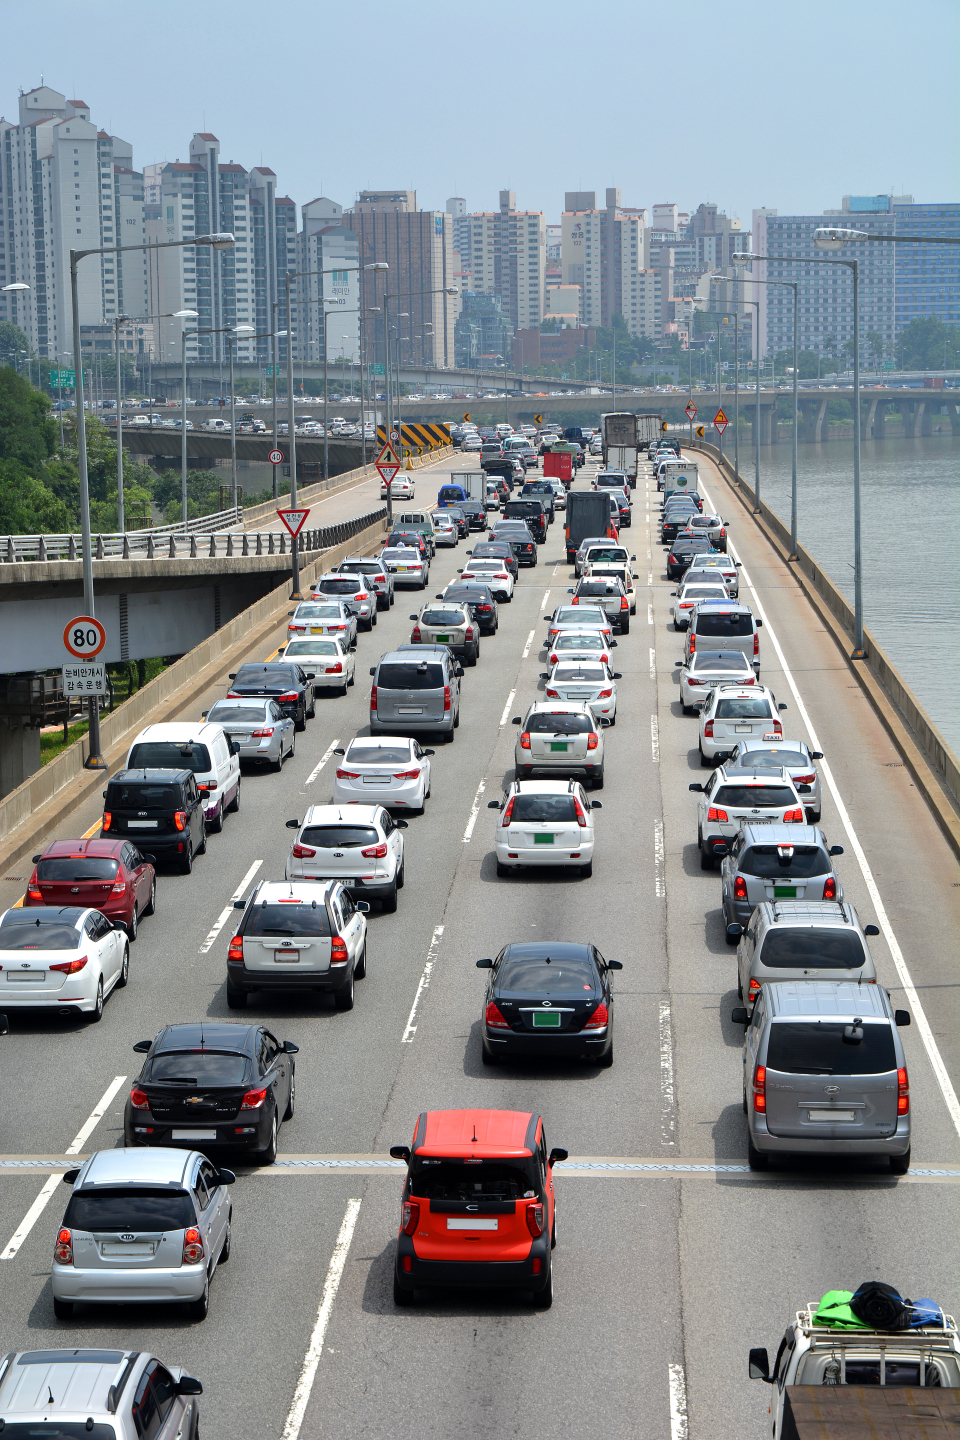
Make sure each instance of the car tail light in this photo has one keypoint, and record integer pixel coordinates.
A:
(261, 734)
(508, 812)
(290, 698)
(373, 697)
(411, 1216)
(581, 814)
(375, 852)
(778, 728)
(691, 681)
(793, 817)
(535, 1219)
(107, 821)
(830, 888)
(593, 741)
(494, 1018)
(33, 889)
(446, 697)
(605, 695)
(336, 627)
(599, 1019)
(575, 600)
(302, 851)
(69, 967)
(804, 779)
(553, 694)
(624, 603)
(139, 1099)
(759, 1079)
(692, 645)
(739, 888)
(192, 1246)
(296, 629)
(708, 730)
(253, 1099)
(415, 637)
(720, 816)
(348, 774)
(469, 632)
(335, 669)
(756, 643)
(903, 1092)
(234, 695)
(63, 1250)
(121, 885)
(407, 775)
(180, 819)
(362, 595)
(338, 951)
(235, 953)
(553, 659)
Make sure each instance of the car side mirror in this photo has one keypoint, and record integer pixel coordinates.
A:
(70, 1177)
(363, 906)
(204, 714)
(189, 1384)
(836, 849)
(293, 824)
(759, 1364)
(414, 617)
(401, 824)
(485, 964)
(570, 590)
(516, 720)
(224, 1177)
(142, 1047)
(613, 644)
(696, 786)
(673, 592)
(234, 748)
(150, 859)
(781, 707)
(239, 904)
(373, 669)
(436, 597)
(901, 1017)
(738, 565)
(291, 612)
(678, 664)
(739, 1015)
(289, 1048)
(596, 804)
(759, 623)
(340, 750)
(734, 932)
(605, 724)
(232, 676)
(400, 1152)
(871, 930)
(311, 674)
(458, 671)
(556, 1155)
(548, 617)
(493, 804)
(103, 794)
(633, 557)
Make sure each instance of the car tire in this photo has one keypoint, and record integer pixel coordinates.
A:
(199, 1309)
(277, 765)
(389, 902)
(687, 709)
(201, 849)
(151, 906)
(401, 876)
(344, 687)
(134, 926)
(224, 1255)
(292, 1099)
(488, 1056)
(813, 816)
(586, 870)
(360, 965)
(96, 1014)
(401, 1297)
(62, 1309)
(605, 1061)
(124, 976)
(186, 864)
(597, 782)
(300, 720)
(755, 1159)
(613, 721)
(236, 998)
(900, 1164)
(234, 805)
(343, 998)
(543, 1299)
(625, 625)
(706, 861)
(268, 1155)
(739, 987)
(705, 762)
(472, 659)
(215, 826)
(312, 712)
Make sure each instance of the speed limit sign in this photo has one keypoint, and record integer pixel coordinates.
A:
(84, 637)
(275, 457)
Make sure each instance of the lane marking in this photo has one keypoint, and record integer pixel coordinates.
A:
(920, 1020)
(678, 1403)
(668, 1094)
(546, 597)
(411, 1027)
(474, 811)
(322, 761)
(526, 648)
(650, 578)
(311, 1360)
(653, 663)
(655, 739)
(227, 910)
(31, 1217)
(97, 1114)
(274, 655)
(506, 709)
(658, 880)
(650, 614)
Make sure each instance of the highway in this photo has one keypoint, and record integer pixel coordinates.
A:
(672, 1257)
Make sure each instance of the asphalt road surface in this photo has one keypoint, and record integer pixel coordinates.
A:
(672, 1257)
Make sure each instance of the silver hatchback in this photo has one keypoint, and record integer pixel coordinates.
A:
(123, 1394)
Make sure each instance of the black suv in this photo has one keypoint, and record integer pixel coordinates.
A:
(291, 687)
(162, 810)
(483, 605)
(532, 511)
(544, 491)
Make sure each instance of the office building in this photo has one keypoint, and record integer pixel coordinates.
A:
(532, 348)
(604, 251)
(482, 335)
(927, 276)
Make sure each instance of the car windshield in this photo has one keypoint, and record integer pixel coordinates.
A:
(313, 647)
(558, 722)
(564, 673)
(142, 797)
(552, 808)
(170, 755)
(227, 714)
(346, 586)
(339, 837)
(752, 796)
(818, 1047)
(73, 869)
(128, 1207)
(285, 918)
(743, 709)
(466, 1180)
(198, 1067)
(529, 975)
(723, 623)
(39, 935)
(443, 617)
(413, 676)
(829, 948)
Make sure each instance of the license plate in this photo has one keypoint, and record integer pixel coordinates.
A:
(375, 779)
(543, 839)
(761, 819)
(117, 1247)
(828, 1115)
(471, 1222)
(316, 629)
(193, 1135)
(559, 745)
(743, 729)
(142, 824)
(546, 1020)
(443, 639)
(409, 710)
(404, 568)
(785, 892)
(286, 957)
(27, 976)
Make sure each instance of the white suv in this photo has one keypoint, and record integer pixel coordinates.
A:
(201, 746)
(362, 849)
(544, 822)
(558, 735)
(307, 935)
(103, 1391)
(728, 801)
(731, 713)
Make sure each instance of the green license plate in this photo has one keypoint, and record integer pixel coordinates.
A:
(558, 745)
(543, 839)
(546, 1020)
(443, 638)
(785, 892)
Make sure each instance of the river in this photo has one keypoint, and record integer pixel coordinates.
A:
(911, 542)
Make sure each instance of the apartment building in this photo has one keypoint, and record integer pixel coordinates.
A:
(328, 293)
(604, 251)
(504, 253)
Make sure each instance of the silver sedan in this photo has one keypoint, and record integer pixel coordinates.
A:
(705, 669)
(258, 728)
(713, 527)
(793, 756)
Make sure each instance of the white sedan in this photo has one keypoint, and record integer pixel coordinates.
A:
(705, 669)
(493, 573)
(332, 661)
(62, 957)
(385, 770)
(581, 645)
(323, 617)
(690, 592)
(585, 680)
(544, 822)
(402, 488)
(578, 617)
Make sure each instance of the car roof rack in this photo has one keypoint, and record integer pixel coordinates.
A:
(923, 1336)
(116, 1389)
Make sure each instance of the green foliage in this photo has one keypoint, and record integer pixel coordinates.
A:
(12, 341)
(809, 364)
(27, 431)
(928, 344)
(27, 506)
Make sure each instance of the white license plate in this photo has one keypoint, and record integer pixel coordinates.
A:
(409, 710)
(287, 957)
(471, 1222)
(28, 976)
(142, 824)
(117, 1247)
(760, 819)
(375, 779)
(744, 729)
(193, 1135)
(829, 1115)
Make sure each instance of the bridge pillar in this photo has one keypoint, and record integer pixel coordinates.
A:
(19, 752)
(821, 417)
(927, 418)
(871, 417)
(954, 413)
(912, 412)
(806, 419)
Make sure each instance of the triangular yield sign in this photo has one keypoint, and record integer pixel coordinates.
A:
(293, 519)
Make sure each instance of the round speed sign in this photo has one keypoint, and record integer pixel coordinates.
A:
(275, 457)
(84, 637)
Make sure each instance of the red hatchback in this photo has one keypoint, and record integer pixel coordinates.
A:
(106, 875)
(478, 1205)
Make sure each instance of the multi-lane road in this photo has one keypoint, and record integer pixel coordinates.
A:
(672, 1257)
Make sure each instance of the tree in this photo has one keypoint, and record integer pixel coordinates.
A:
(27, 431)
(27, 506)
(12, 341)
(928, 344)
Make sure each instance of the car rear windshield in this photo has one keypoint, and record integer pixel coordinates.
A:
(198, 1067)
(561, 723)
(362, 567)
(285, 919)
(598, 587)
(336, 587)
(314, 612)
(313, 647)
(69, 1429)
(612, 481)
(266, 675)
(39, 937)
(752, 796)
(594, 673)
(142, 797)
(703, 592)
(366, 754)
(579, 642)
(74, 869)
(443, 617)
(170, 755)
(465, 1180)
(227, 715)
(720, 622)
(410, 677)
(528, 975)
(451, 492)
(593, 556)
(716, 665)
(128, 1207)
(817, 1047)
(553, 808)
(796, 862)
(824, 949)
(743, 709)
(339, 837)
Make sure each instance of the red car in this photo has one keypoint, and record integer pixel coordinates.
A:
(478, 1205)
(106, 875)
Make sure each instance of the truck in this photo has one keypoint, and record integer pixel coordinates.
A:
(473, 481)
(587, 513)
(677, 474)
(830, 1378)
(621, 443)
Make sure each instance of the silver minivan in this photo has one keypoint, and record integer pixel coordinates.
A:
(802, 940)
(416, 689)
(824, 1073)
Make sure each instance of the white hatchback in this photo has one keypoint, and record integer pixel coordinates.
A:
(544, 822)
(332, 663)
(692, 590)
(390, 770)
(585, 680)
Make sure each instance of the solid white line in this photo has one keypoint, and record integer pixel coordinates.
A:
(678, 1403)
(526, 648)
(227, 911)
(658, 859)
(96, 1114)
(546, 597)
(308, 1371)
(323, 760)
(506, 709)
(474, 811)
(655, 739)
(906, 980)
(668, 1114)
(653, 663)
(411, 1029)
(649, 614)
(31, 1217)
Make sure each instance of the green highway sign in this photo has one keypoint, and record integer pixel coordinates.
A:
(376, 370)
(63, 379)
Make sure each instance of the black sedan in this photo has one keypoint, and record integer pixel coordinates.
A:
(476, 513)
(674, 520)
(497, 550)
(521, 542)
(548, 999)
(682, 552)
(462, 523)
(483, 606)
(288, 684)
(206, 1085)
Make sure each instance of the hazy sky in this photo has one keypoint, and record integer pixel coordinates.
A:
(756, 102)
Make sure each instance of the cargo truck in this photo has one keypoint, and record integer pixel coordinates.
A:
(587, 514)
(677, 474)
(473, 481)
(621, 443)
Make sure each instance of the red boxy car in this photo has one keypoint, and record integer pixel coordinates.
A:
(478, 1204)
(107, 875)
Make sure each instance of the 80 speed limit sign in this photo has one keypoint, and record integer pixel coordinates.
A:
(84, 637)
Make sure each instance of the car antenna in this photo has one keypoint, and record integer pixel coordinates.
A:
(474, 1141)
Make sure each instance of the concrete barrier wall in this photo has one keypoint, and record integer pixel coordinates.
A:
(307, 494)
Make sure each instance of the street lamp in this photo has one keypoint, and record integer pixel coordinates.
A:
(124, 320)
(326, 450)
(402, 295)
(834, 237)
(736, 384)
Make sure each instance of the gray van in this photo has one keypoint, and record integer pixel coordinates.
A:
(724, 627)
(824, 1073)
(802, 940)
(416, 688)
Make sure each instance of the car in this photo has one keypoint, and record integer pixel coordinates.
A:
(491, 449)
(596, 445)
(712, 526)
(578, 617)
(793, 755)
(491, 1228)
(205, 749)
(548, 1000)
(606, 593)
(374, 574)
(400, 537)
(455, 513)
(497, 550)
(416, 688)
(332, 663)
(300, 935)
(521, 540)
(281, 680)
(476, 513)
(544, 822)
(163, 808)
(801, 940)
(492, 572)
(587, 680)
(108, 875)
(521, 449)
(450, 624)
(123, 1394)
(726, 802)
(481, 601)
(681, 552)
(560, 735)
(363, 851)
(732, 713)
(389, 770)
(406, 565)
(716, 564)
(473, 444)
(322, 618)
(559, 493)
(775, 863)
(691, 590)
(531, 511)
(606, 569)
(610, 480)
(352, 590)
(492, 499)
(258, 728)
(402, 487)
(705, 669)
(596, 549)
(63, 957)
(447, 531)
(573, 644)
(804, 1033)
(675, 519)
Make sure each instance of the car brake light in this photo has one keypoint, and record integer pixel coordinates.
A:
(708, 730)
(301, 851)
(33, 889)
(593, 741)
(494, 1018)
(599, 1019)
(508, 812)
(624, 603)
(335, 669)
(348, 774)
(180, 819)
(139, 1099)
(535, 1219)
(119, 888)
(692, 645)
(778, 728)
(407, 775)
(756, 644)
(759, 1078)
(720, 816)
(415, 637)
(581, 815)
(63, 1250)
(253, 1099)
(793, 817)
(261, 734)
(411, 1216)
(830, 888)
(740, 888)
(362, 595)
(605, 695)
(69, 967)
(576, 600)
(373, 697)
(338, 951)
(234, 695)
(903, 1092)
(375, 852)
(553, 694)
(107, 820)
(290, 698)
(446, 697)
(804, 779)
(192, 1246)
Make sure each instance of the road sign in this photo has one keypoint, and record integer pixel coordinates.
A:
(376, 369)
(691, 411)
(63, 379)
(84, 637)
(275, 457)
(720, 421)
(387, 463)
(293, 519)
(700, 431)
(85, 678)
(467, 416)
(663, 426)
(538, 419)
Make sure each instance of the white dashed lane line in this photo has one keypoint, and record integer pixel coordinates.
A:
(227, 910)
(411, 1027)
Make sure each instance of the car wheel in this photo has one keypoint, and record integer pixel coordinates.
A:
(456, 721)
(605, 1061)
(687, 709)
(613, 721)
(134, 925)
(705, 761)
(739, 987)
(360, 966)
(199, 1309)
(597, 781)
(215, 825)
(625, 625)
(373, 619)
(343, 998)
(277, 765)
(224, 1255)
(234, 805)
(345, 687)
(472, 659)
(706, 861)
(292, 1100)
(124, 975)
(389, 902)
(543, 1299)
(401, 876)
(553, 1232)
(401, 1296)
(744, 1102)
(269, 1154)
(586, 870)
(900, 1164)
(488, 1056)
(503, 870)
(300, 719)
(151, 906)
(236, 998)
(201, 848)
(755, 1160)
(312, 712)
(96, 1014)
(813, 816)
